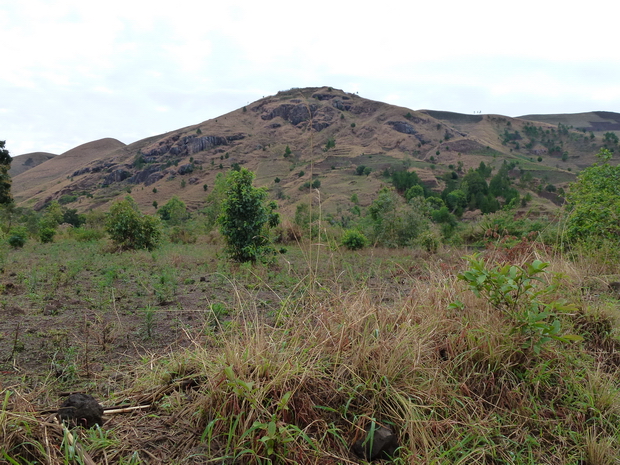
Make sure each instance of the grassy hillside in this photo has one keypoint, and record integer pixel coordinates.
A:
(329, 134)
(34, 186)
(22, 163)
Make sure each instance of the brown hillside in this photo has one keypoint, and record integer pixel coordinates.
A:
(32, 185)
(365, 132)
(22, 163)
(595, 121)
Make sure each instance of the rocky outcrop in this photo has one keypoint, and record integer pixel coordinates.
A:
(403, 127)
(186, 169)
(340, 105)
(147, 174)
(294, 114)
(117, 176)
(81, 171)
(188, 145)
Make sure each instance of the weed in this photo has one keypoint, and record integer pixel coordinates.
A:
(512, 290)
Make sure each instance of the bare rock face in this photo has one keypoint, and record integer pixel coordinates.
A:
(402, 127)
(81, 410)
(117, 176)
(378, 443)
(294, 114)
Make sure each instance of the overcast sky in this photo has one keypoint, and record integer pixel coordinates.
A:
(76, 71)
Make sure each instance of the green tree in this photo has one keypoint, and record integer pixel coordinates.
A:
(353, 239)
(53, 216)
(174, 212)
(246, 218)
(594, 203)
(5, 179)
(610, 138)
(130, 229)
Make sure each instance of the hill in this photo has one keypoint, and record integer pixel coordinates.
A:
(34, 185)
(328, 132)
(595, 121)
(22, 163)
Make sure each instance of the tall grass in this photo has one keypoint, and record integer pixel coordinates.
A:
(344, 351)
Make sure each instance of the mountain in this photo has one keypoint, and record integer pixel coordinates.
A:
(45, 179)
(595, 121)
(329, 134)
(22, 163)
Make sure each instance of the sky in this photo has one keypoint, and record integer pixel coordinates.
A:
(74, 71)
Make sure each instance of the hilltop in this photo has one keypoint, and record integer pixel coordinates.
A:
(23, 163)
(328, 132)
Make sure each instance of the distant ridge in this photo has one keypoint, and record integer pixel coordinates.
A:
(27, 161)
(595, 121)
(55, 170)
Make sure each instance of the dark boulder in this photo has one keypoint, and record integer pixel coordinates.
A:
(378, 443)
(340, 105)
(81, 410)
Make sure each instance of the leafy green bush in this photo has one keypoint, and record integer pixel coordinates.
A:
(18, 237)
(174, 211)
(246, 218)
(594, 203)
(353, 239)
(517, 292)
(130, 229)
(47, 235)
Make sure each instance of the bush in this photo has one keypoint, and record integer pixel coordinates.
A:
(130, 229)
(47, 235)
(594, 203)
(246, 218)
(354, 240)
(17, 237)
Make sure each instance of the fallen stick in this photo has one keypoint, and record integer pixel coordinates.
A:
(112, 411)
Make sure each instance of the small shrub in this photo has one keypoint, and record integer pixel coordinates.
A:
(517, 292)
(130, 229)
(46, 235)
(17, 237)
(354, 240)
(429, 242)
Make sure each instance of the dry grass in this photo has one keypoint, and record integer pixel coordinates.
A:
(301, 385)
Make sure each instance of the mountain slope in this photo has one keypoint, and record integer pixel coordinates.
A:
(595, 121)
(22, 163)
(329, 134)
(38, 181)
